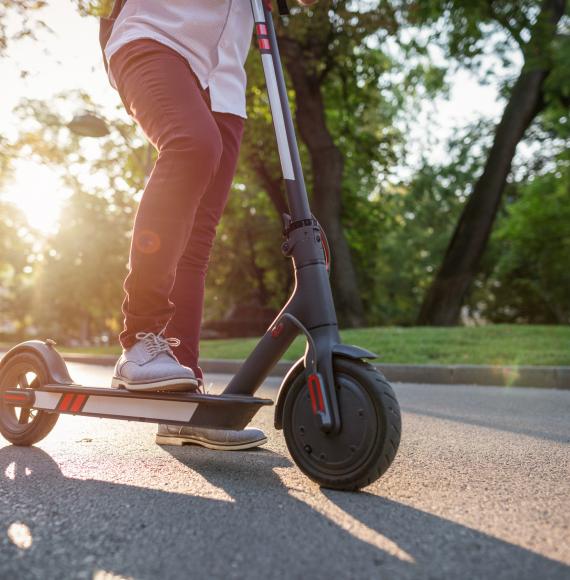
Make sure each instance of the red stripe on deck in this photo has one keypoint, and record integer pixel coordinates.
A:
(78, 403)
(65, 402)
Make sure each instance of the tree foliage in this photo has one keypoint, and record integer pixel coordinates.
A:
(357, 74)
(530, 255)
(78, 271)
(536, 32)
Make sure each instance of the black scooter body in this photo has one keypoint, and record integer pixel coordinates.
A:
(340, 418)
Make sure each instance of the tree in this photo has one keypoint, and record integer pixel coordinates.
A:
(16, 243)
(18, 20)
(330, 59)
(78, 271)
(418, 221)
(534, 28)
(247, 266)
(530, 255)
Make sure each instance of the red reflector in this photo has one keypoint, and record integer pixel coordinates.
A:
(261, 29)
(320, 395)
(313, 397)
(10, 397)
(277, 330)
(316, 394)
(264, 44)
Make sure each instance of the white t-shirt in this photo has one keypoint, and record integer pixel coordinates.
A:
(214, 36)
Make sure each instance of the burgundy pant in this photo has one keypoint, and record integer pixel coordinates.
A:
(184, 199)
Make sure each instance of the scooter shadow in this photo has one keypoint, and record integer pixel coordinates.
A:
(270, 523)
(366, 534)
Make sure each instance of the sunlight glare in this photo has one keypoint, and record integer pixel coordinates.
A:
(104, 575)
(20, 535)
(10, 471)
(38, 193)
(339, 517)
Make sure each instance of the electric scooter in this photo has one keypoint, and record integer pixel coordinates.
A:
(339, 416)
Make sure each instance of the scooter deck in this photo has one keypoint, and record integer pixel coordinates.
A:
(196, 409)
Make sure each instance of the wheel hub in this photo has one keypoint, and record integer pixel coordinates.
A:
(342, 451)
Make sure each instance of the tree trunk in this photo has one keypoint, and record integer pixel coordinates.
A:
(273, 185)
(443, 301)
(327, 167)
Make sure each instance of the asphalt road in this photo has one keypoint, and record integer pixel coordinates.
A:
(479, 489)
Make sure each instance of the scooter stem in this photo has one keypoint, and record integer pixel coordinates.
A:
(281, 112)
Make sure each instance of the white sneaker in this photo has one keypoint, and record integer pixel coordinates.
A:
(150, 365)
(220, 439)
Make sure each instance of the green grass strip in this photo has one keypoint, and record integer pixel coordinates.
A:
(484, 345)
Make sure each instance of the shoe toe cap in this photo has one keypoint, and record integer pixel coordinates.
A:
(156, 369)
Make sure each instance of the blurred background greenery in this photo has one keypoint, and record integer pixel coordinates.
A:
(468, 226)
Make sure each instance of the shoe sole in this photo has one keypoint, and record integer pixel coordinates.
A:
(165, 385)
(173, 440)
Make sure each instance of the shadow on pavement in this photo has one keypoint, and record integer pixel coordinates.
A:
(444, 549)
(264, 529)
(497, 423)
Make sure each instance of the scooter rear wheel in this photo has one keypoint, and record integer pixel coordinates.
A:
(21, 425)
(369, 437)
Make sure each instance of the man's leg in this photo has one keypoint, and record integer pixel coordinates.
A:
(188, 292)
(167, 102)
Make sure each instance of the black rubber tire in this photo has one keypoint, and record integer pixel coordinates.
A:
(383, 434)
(43, 422)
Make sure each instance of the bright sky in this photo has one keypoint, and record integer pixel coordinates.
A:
(71, 59)
(68, 59)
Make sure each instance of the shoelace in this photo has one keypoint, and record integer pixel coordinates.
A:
(157, 343)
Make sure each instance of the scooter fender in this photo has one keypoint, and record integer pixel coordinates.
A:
(351, 351)
(344, 350)
(291, 375)
(55, 365)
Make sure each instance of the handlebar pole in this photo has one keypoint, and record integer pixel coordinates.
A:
(281, 111)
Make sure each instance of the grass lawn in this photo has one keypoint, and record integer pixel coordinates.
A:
(493, 345)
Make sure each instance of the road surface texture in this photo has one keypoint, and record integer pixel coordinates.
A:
(479, 489)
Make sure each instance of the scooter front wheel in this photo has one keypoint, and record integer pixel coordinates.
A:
(22, 425)
(368, 440)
